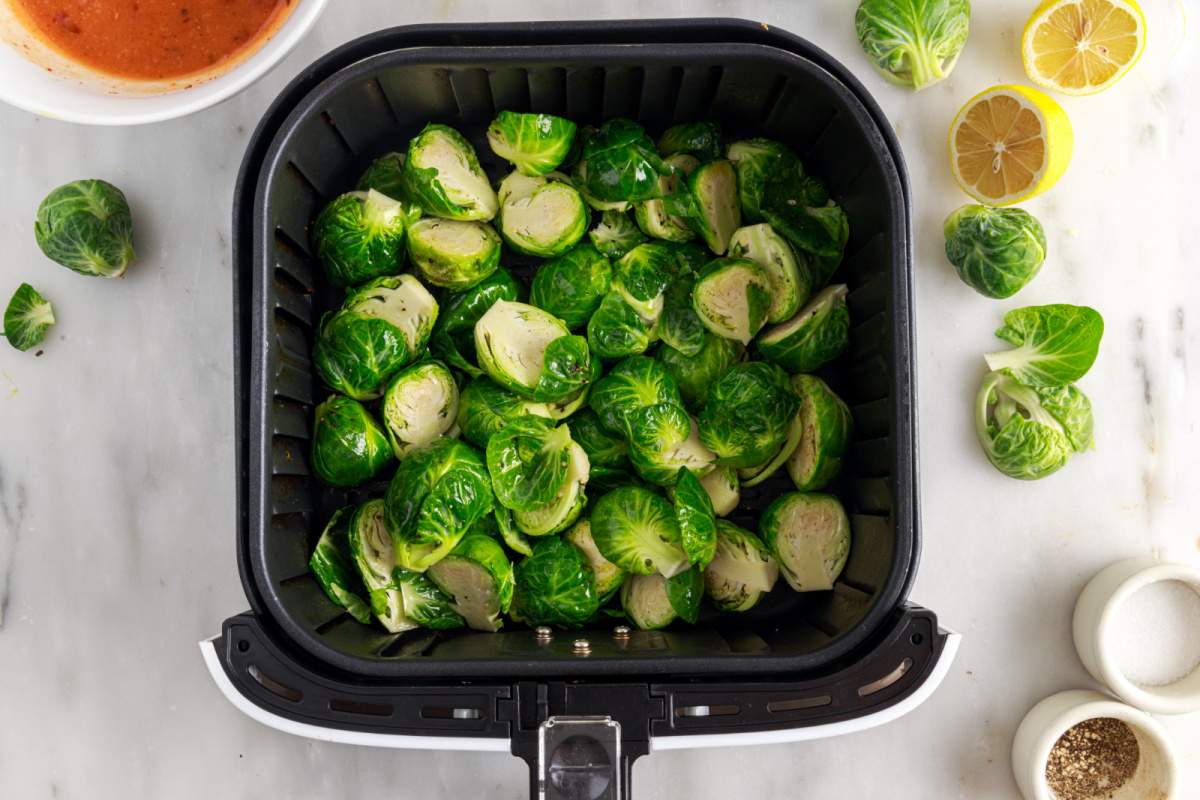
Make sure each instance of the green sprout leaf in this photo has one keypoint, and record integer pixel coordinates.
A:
(27, 318)
(1053, 344)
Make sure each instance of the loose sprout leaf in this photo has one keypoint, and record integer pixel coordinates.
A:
(622, 163)
(27, 318)
(747, 414)
(1054, 344)
(603, 448)
(571, 286)
(442, 174)
(332, 564)
(554, 586)
(349, 447)
(419, 406)
(513, 538)
(631, 384)
(636, 530)
(742, 570)
(700, 139)
(996, 251)
(665, 217)
(819, 333)
(696, 517)
(616, 234)
(685, 591)
(529, 460)
(533, 143)
(809, 536)
(1030, 432)
(453, 254)
(913, 43)
(86, 226)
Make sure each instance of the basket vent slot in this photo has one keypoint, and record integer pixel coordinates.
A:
(325, 115)
(727, 710)
(359, 707)
(799, 703)
(887, 680)
(450, 712)
(273, 686)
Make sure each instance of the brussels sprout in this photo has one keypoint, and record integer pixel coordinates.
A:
(453, 339)
(579, 179)
(381, 328)
(27, 318)
(360, 236)
(484, 408)
(332, 564)
(442, 174)
(1029, 432)
(543, 216)
(478, 576)
(608, 576)
(436, 495)
(507, 528)
(630, 385)
(798, 209)
(530, 462)
(680, 326)
(603, 448)
(644, 600)
(654, 217)
(694, 374)
(1053, 344)
(826, 429)
(533, 143)
(554, 586)
(746, 416)
(86, 227)
(724, 490)
(385, 175)
(663, 439)
(809, 536)
(696, 517)
(562, 511)
(642, 275)
(419, 406)
(819, 333)
(454, 254)
(531, 352)
(572, 286)
(732, 297)
(714, 196)
(621, 162)
(913, 43)
(741, 571)
(699, 139)
(374, 554)
(426, 604)
(996, 251)
(617, 330)
(348, 446)
(790, 281)
(616, 234)
(756, 161)
(636, 530)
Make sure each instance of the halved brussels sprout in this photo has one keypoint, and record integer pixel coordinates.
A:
(631, 384)
(714, 197)
(750, 477)
(360, 236)
(790, 281)
(797, 208)
(531, 352)
(700, 139)
(27, 317)
(426, 604)
(543, 216)
(732, 297)
(533, 143)
(1029, 432)
(616, 234)
(996, 251)
(680, 327)
(913, 43)
(603, 448)
(554, 586)
(747, 414)
(436, 495)
(386, 176)
(419, 406)
(741, 572)
(696, 517)
(567, 406)
(608, 576)
(724, 490)
(621, 162)
(617, 330)
(562, 511)
(756, 161)
(381, 328)
(663, 439)
(332, 564)
(694, 374)
(827, 428)
(442, 174)
(485, 407)
(530, 463)
(374, 555)
(644, 600)
(348, 446)
(653, 216)
(453, 254)
(478, 576)
(453, 339)
(818, 334)
(809, 535)
(86, 226)
(636, 530)
(572, 286)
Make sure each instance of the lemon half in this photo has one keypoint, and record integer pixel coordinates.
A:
(1082, 46)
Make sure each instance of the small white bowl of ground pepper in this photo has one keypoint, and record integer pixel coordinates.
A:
(1082, 745)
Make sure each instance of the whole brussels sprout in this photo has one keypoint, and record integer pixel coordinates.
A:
(696, 517)
(756, 161)
(453, 339)
(1029, 432)
(453, 254)
(608, 576)
(747, 414)
(616, 234)
(374, 555)
(571, 286)
(533, 143)
(332, 564)
(809, 536)
(732, 297)
(542, 216)
(532, 352)
(27, 317)
(554, 586)
(381, 328)
(485, 407)
(699, 139)
(436, 495)
(478, 576)
(562, 511)
(819, 333)
(622, 164)
(653, 215)
(636, 530)
(1052, 345)
(385, 175)
(662, 440)
(442, 174)
(419, 406)
(348, 446)
(713, 190)
(694, 374)
(913, 43)
(790, 279)
(632, 384)
(360, 236)
(827, 428)
(86, 226)
(529, 461)
(742, 570)
(996, 251)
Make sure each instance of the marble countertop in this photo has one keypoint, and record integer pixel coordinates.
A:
(116, 455)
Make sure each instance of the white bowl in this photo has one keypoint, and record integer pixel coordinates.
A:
(38, 79)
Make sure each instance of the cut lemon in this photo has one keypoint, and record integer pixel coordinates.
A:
(1082, 46)
(1009, 143)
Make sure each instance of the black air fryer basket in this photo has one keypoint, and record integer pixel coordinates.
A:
(581, 705)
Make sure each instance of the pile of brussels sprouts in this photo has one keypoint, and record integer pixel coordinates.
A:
(568, 452)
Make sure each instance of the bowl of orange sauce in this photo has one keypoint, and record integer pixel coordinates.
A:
(128, 62)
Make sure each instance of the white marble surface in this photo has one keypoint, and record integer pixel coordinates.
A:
(116, 461)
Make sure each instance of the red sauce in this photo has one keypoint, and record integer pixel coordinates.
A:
(154, 39)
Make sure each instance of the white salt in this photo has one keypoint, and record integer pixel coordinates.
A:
(1155, 633)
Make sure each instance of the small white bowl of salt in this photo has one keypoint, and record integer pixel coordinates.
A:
(1137, 631)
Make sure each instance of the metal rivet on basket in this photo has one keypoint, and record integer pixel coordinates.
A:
(581, 647)
(542, 634)
(621, 632)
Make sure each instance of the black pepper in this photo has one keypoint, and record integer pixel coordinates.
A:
(1092, 760)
